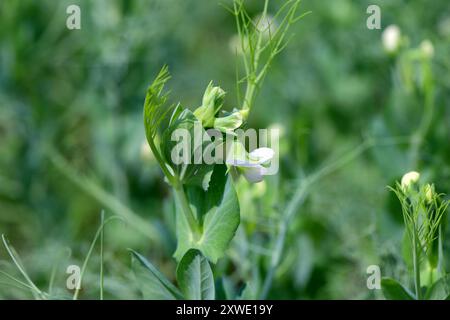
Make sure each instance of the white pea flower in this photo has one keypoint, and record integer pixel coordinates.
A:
(391, 38)
(253, 164)
(427, 48)
(409, 178)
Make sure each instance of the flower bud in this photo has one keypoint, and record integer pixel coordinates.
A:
(228, 123)
(212, 102)
(238, 46)
(408, 179)
(266, 25)
(427, 48)
(429, 192)
(391, 38)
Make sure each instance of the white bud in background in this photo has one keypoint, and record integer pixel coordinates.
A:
(444, 27)
(277, 129)
(235, 45)
(146, 152)
(409, 178)
(391, 38)
(266, 25)
(427, 48)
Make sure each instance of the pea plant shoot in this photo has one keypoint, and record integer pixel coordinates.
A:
(423, 213)
(207, 207)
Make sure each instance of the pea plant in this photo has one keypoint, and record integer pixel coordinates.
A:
(423, 213)
(207, 207)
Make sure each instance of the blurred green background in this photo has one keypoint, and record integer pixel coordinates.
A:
(72, 139)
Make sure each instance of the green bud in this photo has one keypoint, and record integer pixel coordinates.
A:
(229, 123)
(429, 192)
(244, 113)
(212, 102)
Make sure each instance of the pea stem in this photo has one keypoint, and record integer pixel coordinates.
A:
(184, 205)
(416, 266)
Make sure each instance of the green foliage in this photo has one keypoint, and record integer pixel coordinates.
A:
(218, 209)
(153, 284)
(423, 212)
(394, 290)
(191, 171)
(155, 112)
(353, 119)
(440, 290)
(195, 277)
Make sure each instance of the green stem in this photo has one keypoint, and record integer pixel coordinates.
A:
(102, 233)
(249, 94)
(416, 266)
(252, 78)
(88, 256)
(160, 160)
(427, 117)
(441, 267)
(184, 205)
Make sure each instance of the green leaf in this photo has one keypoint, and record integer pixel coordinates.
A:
(195, 277)
(393, 290)
(218, 209)
(428, 274)
(407, 250)
(155, 99)
(152, 283)
(193, 170)
(440, 290)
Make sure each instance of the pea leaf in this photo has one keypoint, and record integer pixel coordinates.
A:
(185, 138)
(393, 290)
(154, 105)
(152, 283)
(440, 290)
(218, 210)
(195, 277)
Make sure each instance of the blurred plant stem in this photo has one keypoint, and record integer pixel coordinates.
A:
(98, 234)
(106, 199)
(301, 193)
(37, 293)
(102, 236)
(417, 139)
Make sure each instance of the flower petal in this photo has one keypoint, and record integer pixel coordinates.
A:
(262, 155)
(254, 174)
